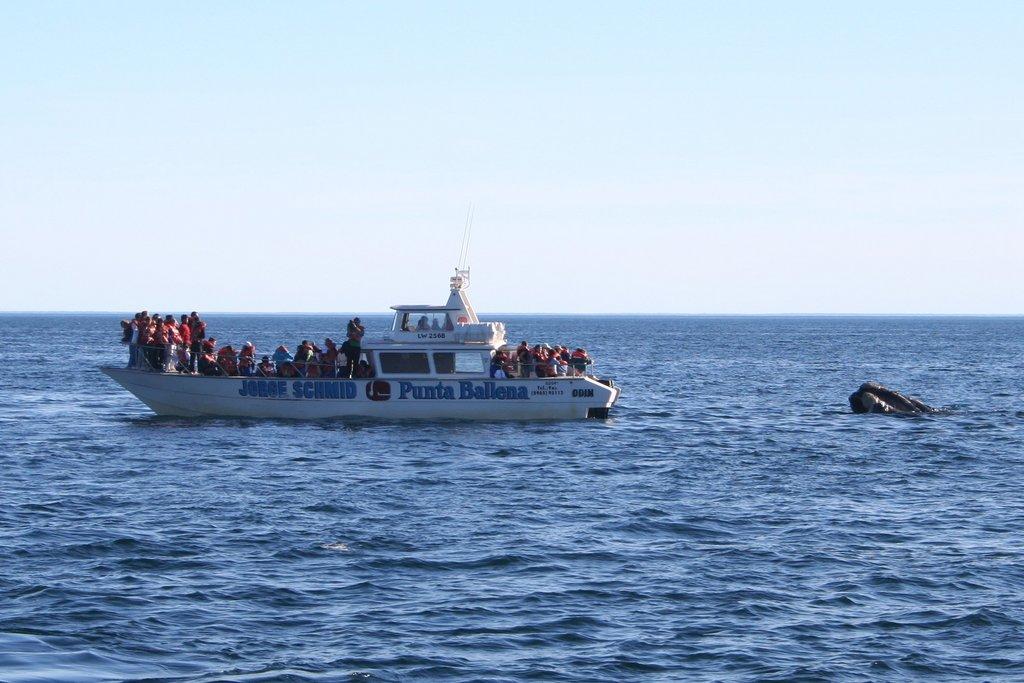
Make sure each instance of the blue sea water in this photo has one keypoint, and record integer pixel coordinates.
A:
(732, 520)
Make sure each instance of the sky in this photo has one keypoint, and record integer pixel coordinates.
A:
(651, 157)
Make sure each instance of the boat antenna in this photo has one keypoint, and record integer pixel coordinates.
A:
(467, 234)
(461, 279)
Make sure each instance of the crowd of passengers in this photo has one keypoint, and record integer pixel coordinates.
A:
(167, 345)
(540, 360)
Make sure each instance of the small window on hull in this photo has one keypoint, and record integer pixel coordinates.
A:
(459, 362)
(403, 363)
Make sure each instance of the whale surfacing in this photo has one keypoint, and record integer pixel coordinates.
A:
(872, 397)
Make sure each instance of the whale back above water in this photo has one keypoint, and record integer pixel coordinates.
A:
(872, 397)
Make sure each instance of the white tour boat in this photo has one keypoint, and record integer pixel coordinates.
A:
(433, 364)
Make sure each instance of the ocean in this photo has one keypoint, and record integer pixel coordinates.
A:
(732, 520)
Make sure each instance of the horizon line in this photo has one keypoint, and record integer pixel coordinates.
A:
(565, 315)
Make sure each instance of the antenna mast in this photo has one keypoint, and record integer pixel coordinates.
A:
(461, 279)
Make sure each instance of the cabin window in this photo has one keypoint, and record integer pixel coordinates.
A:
(430, 321)
(459, 362)
(392, 363)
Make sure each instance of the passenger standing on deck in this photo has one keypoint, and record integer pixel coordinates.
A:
(198, 334)
(185, 332)
(353, 345)
(172, 339)
(524, 358)
(158, 345)
(133, 343)
(142, 350)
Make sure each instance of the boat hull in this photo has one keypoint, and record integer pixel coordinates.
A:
(559, 398)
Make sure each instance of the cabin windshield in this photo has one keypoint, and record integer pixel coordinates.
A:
(425, 321)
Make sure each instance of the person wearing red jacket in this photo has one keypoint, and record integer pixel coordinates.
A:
(185, 330)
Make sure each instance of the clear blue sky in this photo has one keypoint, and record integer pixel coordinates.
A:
(717, 157)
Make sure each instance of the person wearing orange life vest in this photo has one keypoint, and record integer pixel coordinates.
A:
(185, 332)
(207, 361)
(540, 360)
(157, 345)
(579, 360)
(247, 360)
(227, 360)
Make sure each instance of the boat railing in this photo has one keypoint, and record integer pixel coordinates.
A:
(578, 369)
(178, 358)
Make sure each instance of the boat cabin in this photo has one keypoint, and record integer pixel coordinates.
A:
(455, 322)
(447, 342)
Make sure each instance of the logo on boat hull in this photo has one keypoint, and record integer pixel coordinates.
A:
(308, 389)
(378, 390)
(481, 391)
